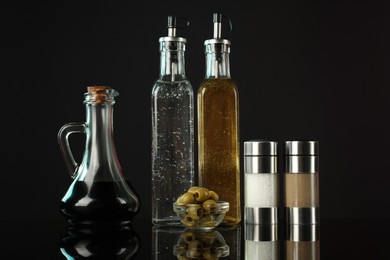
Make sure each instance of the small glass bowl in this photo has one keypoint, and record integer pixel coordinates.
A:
(199, 216)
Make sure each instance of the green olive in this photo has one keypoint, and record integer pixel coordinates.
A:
(188, 221)
(210, 206)
(209, 254)
(193, 189)
(211, 223)
(209, 235)
(180, 250)
(187, 198)
(214, 196)
(229, 220)
(201, 194)
(188, 236)
(195, 248)
(208, 238)
(195, 211)
(208, 221)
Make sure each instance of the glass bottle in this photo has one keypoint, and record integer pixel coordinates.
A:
(172, 129)
(218, 126)
(100, 194)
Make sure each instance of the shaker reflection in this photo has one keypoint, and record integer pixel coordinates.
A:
(261, 242)
(303, 242)
(200, 244)
(104, 243)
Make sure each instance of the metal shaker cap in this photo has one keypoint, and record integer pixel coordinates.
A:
(260, 148)
(303, 148)
(302, 156)
(260, 156)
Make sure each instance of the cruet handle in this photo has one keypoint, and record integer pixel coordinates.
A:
(63, 141)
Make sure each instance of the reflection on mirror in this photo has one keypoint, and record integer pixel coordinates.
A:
(171, 243)
(164, 239)
(117, 243)
(201, 244)
(303, 242)
(232, 236)
(181, 243)
(261, 242)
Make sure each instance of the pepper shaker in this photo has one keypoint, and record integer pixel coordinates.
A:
(302, 182)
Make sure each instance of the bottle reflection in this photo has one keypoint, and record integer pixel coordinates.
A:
(303, 242)
(232, 236)
(117, 243)
(163, 241)
(261, 242)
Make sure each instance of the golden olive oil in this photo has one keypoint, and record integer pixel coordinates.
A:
(218, 142)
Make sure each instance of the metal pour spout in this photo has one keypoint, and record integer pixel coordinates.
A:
(172, 25)
(217, 20)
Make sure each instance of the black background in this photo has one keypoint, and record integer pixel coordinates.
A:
(304, 71)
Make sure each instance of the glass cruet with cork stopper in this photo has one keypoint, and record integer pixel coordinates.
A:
(218, 125)
(172, 109)
(100, 194)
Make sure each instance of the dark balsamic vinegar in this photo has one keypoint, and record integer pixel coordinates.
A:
(100, 203)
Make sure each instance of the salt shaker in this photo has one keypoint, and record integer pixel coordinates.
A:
(302, 182)
(261, 182)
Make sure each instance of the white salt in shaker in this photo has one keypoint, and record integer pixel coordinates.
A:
(261, 182)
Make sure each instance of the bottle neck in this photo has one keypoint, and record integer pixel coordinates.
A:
(172, 65)
(100, 146)
(217, 65)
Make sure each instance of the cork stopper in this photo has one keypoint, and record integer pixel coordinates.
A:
(97, 88)
(100, 94)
